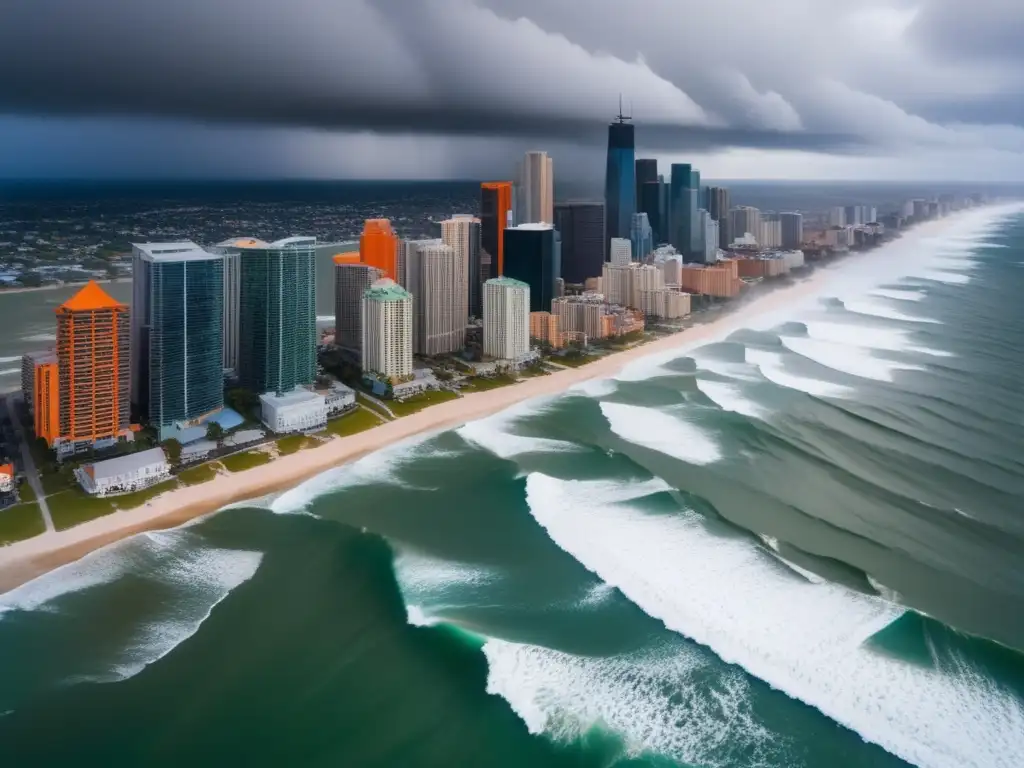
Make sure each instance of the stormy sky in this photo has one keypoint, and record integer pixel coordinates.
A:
(898, 89)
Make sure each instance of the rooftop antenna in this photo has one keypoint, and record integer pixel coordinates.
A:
(621, 118)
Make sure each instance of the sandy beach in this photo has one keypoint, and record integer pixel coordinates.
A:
(28, 559)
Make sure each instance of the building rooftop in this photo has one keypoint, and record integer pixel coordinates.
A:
(294, 397)
(173, 252)
(293, 242)
(350, 257)
(386, 290)
(123, 464)
(242, 242)
(89, 299)
(507, 281)
(537, 225)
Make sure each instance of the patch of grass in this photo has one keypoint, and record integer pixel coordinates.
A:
(74, 507)
(421, 401)
(54, 482)
(353, 422)
(201, 474)
(294, 444)
(533, 373)
(240, 462)
(482, 384)
(574, 362)
(368, 403)
(20, 522)
(25, 492)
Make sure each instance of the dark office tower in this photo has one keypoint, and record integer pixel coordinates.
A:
(495, 215)
(650, 202)
(718, 207)
(581, 225)
(620, 179)
(792, 225)
(646, 171)
(533, 255)
(683, 208)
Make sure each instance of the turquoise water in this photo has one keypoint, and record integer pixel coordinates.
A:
(799, 545)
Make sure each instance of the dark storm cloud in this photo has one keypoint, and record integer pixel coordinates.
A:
(700, 76)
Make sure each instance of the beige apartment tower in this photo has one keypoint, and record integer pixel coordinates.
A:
(387, 313)
(506, 318)
(536, 194)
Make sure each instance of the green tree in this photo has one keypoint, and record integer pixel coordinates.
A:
(173, 450)
(215, 432)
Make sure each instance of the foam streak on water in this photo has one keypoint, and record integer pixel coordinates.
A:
(661, 431)
(802, 638)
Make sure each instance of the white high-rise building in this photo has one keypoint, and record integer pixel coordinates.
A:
(742, 220)
(770, 233)
(506, 318)
(462, 234)
(709, 227)
(621, 252)
(535, 194)
(433, 279)
(387, 330)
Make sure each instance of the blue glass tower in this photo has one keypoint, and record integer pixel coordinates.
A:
(642, 237)
(684, 202)
(620, 179)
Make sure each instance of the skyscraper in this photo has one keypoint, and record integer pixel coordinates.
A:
(641, 236)
(646, 172)
(93, 352)
(277, 304)
(620, 252)
(650, 202)
(351, 279)
(462, 233)
(495, 215)
(683, 203)
(439, 326)
(506, 318)
(744, 220)
(533, 256)
(232, 250)
(536, 192)
(581, 226)
(620, 178)
(792, 230)
(718, 207)
(177, 334)
(387, 330)
(378, 246)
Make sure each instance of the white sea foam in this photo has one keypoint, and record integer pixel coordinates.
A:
(661, 431)
(854, 361)
(13, 359)
(424, 578)
(493, 434)
(741, 371)
(657, 700)
(377, 467)
(802, 638)
(772, 368)
(899, 294)
(730, 397)
(595, 387)
(875, 309)
(202, 579)
(415, 616)
(952, 278)
(40, 337)
(890, 339)
(9, 371)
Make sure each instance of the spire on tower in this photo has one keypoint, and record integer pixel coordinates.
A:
(622, 118)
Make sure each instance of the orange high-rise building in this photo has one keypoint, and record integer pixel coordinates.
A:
(495, 208)
(46, 401)
(378, 246)
(93, 366)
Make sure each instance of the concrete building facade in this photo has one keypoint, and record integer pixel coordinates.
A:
(387, 330)
(506, 318)
(351, 279)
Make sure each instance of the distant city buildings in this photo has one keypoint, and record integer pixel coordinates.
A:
(177, 335)
(620, 250)
(718, 207)
(744, 219)
(536, 191)
(506, 319)
(387, 331)
(533, 256)
(792, 229)
(581, 225)
(641, 236)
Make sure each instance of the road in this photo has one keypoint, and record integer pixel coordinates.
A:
(31, 474)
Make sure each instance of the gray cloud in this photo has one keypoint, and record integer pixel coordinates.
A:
(823, 75)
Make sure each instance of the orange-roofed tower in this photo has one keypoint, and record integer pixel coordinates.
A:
(378, 246)
(93, 366)
(495, 211)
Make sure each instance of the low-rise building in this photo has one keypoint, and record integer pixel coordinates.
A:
(6, 478)
(338, 397)
(544, 327)
(299, 410)
(124, 474)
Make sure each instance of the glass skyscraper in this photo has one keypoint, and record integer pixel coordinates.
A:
(277, 303)
(641, 236)
(684, 197)
(581, 226)
(533, 255)
(620, 179)
(177, 338)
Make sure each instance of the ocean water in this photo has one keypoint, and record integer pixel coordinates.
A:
(801, 544)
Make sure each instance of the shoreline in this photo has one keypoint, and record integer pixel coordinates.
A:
(23, 561)
(70, 284)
